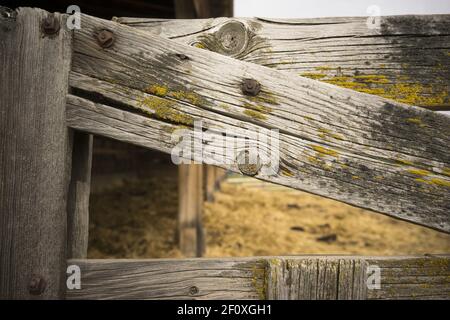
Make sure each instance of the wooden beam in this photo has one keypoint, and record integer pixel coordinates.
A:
(34, 156)
(406, 59)
(357, 148)
(340, 277)
(78, 200)
(190, 208)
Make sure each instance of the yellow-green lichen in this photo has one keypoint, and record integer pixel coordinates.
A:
(446, 171)
(255, 114)
(190, 97)
(419, 172)
(264, 98)
(312, 75)
(400, 88)
(287, 172)
(164, 91)
(416, 121)
(224, 106)
(259, 279)
(158, 90)
(434, 181)
(259, 108)
(404, 162)
(199, 45)
(324, 133)
(324, 68)
(321, 151)
(163, 109)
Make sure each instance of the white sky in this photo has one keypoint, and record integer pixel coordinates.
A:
(335, 8)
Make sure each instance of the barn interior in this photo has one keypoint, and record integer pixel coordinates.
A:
(135, 194)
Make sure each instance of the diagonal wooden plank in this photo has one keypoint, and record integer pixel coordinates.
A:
(405, 59)
(353, 147)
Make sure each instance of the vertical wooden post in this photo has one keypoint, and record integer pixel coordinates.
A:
(219, 176)
(210, 182)
(78, 200)
(190, 228)
(34, 155)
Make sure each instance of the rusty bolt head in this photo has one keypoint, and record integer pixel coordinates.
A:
(247, 165)
(105, 38)
(50, 25)
(193, 290)
(250, 87)
(37, 285)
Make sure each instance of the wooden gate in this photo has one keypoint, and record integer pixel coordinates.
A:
(350, 103)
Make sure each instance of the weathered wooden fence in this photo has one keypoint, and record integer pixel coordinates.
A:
(138, 80)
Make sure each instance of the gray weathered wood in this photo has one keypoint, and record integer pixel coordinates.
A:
(309, 277)
(316, 279)
(190, 210)
(168, 279)
(78, 201)
(357, 148)
(34, 156)
(406, 59)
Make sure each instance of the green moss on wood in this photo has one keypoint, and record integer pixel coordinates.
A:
(255, 114)
(400, 88)
(163, 109)
(322, 151)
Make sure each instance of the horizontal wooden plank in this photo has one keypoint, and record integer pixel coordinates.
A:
(349, 146)
(342, 277)
(406, 59)
(169, 279)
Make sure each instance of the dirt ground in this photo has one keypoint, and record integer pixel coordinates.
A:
(138, 220)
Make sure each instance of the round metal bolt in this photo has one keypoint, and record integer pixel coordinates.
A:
(247, 165)
(37, 285)
(250, 87)
(193, 290)
(105, 38)
(50, 25)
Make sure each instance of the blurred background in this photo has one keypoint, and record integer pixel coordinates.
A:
(134, 203)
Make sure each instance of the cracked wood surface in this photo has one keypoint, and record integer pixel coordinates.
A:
(302, 277)
(406, 58)
(357, 148)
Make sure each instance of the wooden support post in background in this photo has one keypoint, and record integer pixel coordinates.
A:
(78, 201)
(219, 176)
(190, 228)
(34, 155)
(210, 182)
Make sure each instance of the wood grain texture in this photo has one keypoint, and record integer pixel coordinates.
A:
(316, 279)
(79, 191)
(405, 59)
(190, 210)
(308, 277)
(34, 155)
(353, 147)
(168, 279)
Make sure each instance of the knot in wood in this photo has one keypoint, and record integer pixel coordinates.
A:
(193, 290)
(250, 87)
(50, 24)
(105, 38)
(37, 285)
(248, 165)
(232, 37)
